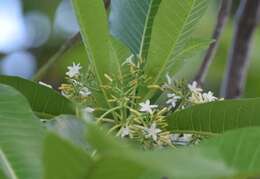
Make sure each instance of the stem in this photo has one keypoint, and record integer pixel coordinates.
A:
(219, 27)
(246, 23)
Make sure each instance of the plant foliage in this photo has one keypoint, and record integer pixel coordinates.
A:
(119, 117)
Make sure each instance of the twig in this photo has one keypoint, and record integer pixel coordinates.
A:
(66, 46)
(246, 22)
(219, 27)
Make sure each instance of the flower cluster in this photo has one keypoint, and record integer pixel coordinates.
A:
(198, 96)
(181, 96)
(76, 89)
(127, 116)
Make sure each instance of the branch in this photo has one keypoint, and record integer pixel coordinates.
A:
(219, 27)
(63, 49)
(246, 23)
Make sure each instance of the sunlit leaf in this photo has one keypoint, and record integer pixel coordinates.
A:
(217, 117)
(172, 29)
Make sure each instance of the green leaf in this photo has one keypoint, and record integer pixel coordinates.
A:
(131, 21)
(217, 117)
(118, 160)
(240, 149)
(173, 26)
(121, 52)
(62, 160)
(94, 30)
(21, 137)
(192, 47)
(44, 101)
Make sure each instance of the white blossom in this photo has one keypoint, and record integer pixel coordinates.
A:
(173, 98)
(84, 92)
(194, 87)
(44, 84)
(147, 107)
(196, 98)
(209, 97)
(125, 131)
(73, 70)
(152, 132)
(129, 60)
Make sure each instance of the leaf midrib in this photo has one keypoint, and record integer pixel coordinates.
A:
(172, 49)
(145, 29)
(7, 166)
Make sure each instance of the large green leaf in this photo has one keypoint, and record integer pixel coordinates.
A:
(193, 47)
(240, 149)
(62, 160)
(120, 51)
(44, 101)
(94, 30)
(172, 28)
(217, 117)
(131, 21)
(117, 160)
(21, 136)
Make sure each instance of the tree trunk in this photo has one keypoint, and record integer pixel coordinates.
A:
(221, 22)
(245, 25)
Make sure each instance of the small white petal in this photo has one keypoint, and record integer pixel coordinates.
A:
(129, 60)
(152, 132)
(194, 87)
(147, 107)
(209, 97)
(173, 99)
(73, 70)
(125, 131)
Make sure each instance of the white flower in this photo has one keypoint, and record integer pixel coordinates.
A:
(84, 92)
(125, 131)
(173, 98)
(152, 132)
(73, 70)
(129, 60)
(44, 84)
(88, 110)
(196, 98)
(209, 97)
(147, 107)
(194, 87)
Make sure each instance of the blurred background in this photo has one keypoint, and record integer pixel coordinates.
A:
(32, 31)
